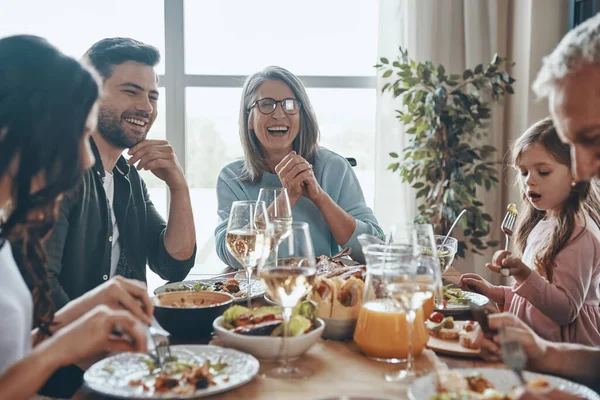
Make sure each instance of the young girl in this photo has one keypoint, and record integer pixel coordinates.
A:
(557, 288)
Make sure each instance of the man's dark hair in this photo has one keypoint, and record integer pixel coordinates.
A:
(106, 53)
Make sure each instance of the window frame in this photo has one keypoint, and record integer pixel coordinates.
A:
(176, 80)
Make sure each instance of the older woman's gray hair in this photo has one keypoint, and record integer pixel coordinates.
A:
(305, 144)
(579, 47)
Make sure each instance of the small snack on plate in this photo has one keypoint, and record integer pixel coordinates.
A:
(268, 321)
(348, 299)
(446, 328)
(468, 335)
(323, 294)
(338, 289)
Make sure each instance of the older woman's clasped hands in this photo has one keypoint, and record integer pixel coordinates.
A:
(297, 176)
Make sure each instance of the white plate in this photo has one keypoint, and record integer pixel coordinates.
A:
(476, 298)
(503, 379)
(112, 375)
(257, 288)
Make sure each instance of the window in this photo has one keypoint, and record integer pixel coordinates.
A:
(208, 47)
(307, 37)
(74, 25)
(228, 40)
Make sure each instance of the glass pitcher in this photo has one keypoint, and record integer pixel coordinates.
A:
(381, 330)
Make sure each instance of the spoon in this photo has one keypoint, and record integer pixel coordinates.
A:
(463, 212)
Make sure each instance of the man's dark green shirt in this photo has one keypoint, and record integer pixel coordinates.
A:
(79, 248)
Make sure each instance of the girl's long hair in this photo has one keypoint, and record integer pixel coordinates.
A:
(584, 200)
(45, 100)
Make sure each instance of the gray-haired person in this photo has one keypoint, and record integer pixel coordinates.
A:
(570, 79)
(279, 134)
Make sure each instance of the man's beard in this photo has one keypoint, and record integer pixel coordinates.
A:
(109, 126)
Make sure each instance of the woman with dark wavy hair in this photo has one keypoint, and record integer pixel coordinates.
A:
(47, 111)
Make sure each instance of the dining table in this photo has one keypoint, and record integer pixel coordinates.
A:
(338, 369)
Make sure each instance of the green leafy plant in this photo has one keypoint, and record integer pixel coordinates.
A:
(444, 115)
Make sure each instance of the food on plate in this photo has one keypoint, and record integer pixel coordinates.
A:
(178, 377)
(452, 385)
(338, 289)
(468, 335)
(538, 384)
(231, 286)
(184, 302)
(436, 317)
(268, 321)
(454, 295)
(445, 330)
(448, 329)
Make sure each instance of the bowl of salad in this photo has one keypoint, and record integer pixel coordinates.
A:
(259, 331)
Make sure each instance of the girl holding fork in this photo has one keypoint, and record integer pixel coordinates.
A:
(556, 262)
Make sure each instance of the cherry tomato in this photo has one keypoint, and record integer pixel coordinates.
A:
(436, 317)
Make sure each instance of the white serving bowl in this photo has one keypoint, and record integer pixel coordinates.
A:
(266, 348)
(339, 329)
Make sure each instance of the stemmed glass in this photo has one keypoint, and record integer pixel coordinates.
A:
(247, 237)
(424, 244)
(410, 285)
(286, 282)
(446, 252)
(277, 201)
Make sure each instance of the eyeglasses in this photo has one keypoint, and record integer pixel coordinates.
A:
(268, 105)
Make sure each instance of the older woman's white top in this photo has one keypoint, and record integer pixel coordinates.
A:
(16, 311)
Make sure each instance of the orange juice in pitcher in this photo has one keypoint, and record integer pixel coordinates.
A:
(381, 332)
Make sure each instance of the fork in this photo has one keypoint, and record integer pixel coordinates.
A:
(513, 355)
(160, 341)
(507, 226)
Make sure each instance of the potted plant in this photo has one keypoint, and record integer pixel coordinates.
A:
(444, 115)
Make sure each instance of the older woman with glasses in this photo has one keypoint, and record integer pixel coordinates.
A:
(279, 134)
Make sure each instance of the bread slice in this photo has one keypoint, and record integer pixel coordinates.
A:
(448, 334)
(348, 299)
(467, 339)
(444, 333)
(324, 292)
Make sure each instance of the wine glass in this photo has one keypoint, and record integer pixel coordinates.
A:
(410, 285)
(424, 244)
(277, 201)
(286, 282)
(247, 238)
(446, 252)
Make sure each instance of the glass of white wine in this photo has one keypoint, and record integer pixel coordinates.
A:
(286, 283)
(247, 238)
(279, 210)
(447, 252)
(409, 285)
(422, 238)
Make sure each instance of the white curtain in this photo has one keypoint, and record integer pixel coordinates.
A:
(461, 34)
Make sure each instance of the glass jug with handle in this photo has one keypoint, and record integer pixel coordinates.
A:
(382, 330)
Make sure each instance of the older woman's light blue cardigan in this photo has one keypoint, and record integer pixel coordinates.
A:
(336, 177)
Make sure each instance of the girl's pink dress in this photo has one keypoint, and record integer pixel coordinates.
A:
(568, 309)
